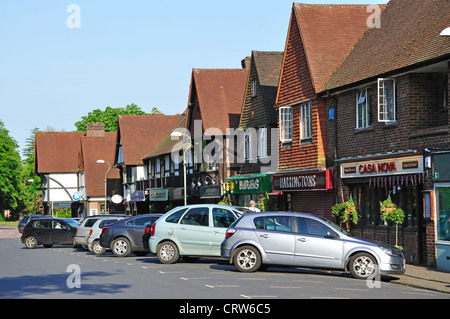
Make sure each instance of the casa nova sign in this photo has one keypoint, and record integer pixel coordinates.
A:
(391, 166)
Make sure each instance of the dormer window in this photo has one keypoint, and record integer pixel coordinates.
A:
(253, 88)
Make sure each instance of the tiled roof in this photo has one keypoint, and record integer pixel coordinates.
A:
(166, 145)
(409, 35)
(93, 149)
(220, 94)
(321, 35)
(57, 152)
(141, 133)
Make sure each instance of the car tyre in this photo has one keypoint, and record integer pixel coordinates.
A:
(247, 259)
(167, 253)
(121, 247)
(363, 266)
(97, 249)
(30, 242)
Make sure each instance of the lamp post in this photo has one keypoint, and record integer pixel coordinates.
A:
(179, 134)
(100, 161)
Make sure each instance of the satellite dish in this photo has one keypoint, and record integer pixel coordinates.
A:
(117, 199)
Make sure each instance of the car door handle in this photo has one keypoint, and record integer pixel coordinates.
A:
(264, 236)
(302, 239)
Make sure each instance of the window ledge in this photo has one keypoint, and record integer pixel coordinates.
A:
(438, 130)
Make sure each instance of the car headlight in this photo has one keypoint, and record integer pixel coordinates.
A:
(386, 250)
(391, 252)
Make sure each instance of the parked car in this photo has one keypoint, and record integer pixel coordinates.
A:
(49, 231)
(95, 232)
(191, 231)
(82, 235)
(25, 220)
(125, 236)
(296, 239)
(147, 233)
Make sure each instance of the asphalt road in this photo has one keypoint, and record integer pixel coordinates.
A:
(64, 272)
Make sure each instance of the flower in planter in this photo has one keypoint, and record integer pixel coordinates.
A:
(391, 213)
(346, 212)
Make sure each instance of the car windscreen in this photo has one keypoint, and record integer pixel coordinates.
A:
(72, 222)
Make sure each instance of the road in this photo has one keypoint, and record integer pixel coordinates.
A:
(55, 272)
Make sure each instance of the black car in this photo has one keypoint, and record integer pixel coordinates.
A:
(147, 233)
(125, 236)
(27, 218)
(49, 232)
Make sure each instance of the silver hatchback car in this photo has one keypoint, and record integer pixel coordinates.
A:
(296, 239)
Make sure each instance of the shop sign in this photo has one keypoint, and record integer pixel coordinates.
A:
(176, 194)
(318, 180)
(384, 167)
(214, 191)
(251, 184)
(158, 195)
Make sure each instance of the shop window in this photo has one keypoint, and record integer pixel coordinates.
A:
(443, 213)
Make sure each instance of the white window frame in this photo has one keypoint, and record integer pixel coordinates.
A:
(262, 142)
(387, 112)
(306, 121)
(286, 120)
(363, 121)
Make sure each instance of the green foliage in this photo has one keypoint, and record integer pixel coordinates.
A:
(109, 116)
(390, 212)
(266, 204)
(12, 183)
(224, 201)
(346, 212)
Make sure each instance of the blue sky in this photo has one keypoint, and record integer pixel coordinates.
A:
(124, 52)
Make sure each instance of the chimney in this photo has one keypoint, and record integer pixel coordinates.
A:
(95, 130)
(246, 63)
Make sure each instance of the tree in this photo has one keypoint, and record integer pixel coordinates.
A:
(109, 116)
(12, 183)
(32, 194)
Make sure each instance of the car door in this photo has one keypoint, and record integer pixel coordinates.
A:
(222, 219)
(61, 232)
(317, 245)
(136, 229)
(275, 236)
(42, 230)
(194, 232)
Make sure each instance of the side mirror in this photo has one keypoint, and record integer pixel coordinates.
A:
(332, 234)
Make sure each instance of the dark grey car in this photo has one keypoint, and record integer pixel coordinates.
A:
(295, 239)
(27, 218)
(125, 236)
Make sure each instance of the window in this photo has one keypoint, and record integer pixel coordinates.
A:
(312, 227)
(175, 217)
(167, 165)
(248, 146)
(386, 100)
(253, 88)
(262, 142)
(46, 223)
(276, 223)
(363, 109)
(286, 124)
(305, 121)
(223, 218)
(443, 210)
(196, 217)
(140, 221)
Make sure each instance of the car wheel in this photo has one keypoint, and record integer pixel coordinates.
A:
(167, 252)
(363, 265)
(97, 249)
(31, 242)
(121, 247)
(247, 259)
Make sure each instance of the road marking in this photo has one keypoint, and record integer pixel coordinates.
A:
(251, 297)
(171, 272)
(222, 286)
(284, 287)
(195, 278)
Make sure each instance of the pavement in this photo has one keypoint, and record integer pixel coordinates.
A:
(415, 275)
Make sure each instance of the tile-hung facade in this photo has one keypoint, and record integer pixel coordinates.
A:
(319, 38)
(390, 129)
(214, 107)
(258, 118)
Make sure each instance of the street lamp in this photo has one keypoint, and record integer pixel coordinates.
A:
(100, 161)
(179, 134)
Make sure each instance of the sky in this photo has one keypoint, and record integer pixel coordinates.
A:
(61, 59)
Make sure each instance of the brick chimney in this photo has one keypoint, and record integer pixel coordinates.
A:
(95, 129)
(246, 62)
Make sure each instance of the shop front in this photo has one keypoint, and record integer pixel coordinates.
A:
(245, 188)
(371, 180)
(441, 179)
(305, 191)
